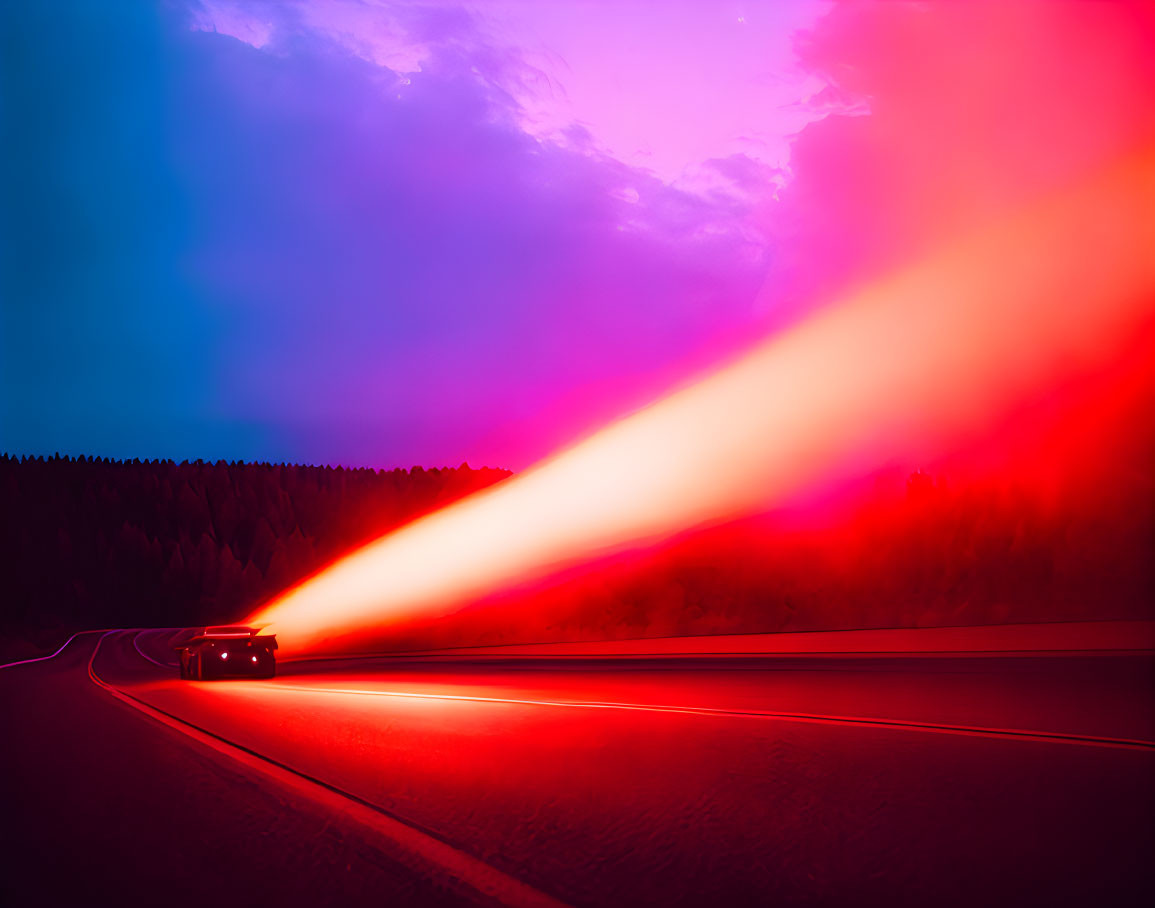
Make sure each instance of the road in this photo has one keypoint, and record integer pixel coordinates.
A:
(807, 780)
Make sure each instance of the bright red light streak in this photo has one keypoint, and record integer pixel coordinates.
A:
(904, 368)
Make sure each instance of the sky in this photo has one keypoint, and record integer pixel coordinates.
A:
(395, 233)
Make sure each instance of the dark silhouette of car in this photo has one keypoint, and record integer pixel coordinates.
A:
(228, 652)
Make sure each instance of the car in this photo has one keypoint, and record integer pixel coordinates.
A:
(228, 652)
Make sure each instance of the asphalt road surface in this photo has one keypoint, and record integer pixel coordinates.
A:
(804, 780)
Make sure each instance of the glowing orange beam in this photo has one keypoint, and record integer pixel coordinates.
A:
(900, 368)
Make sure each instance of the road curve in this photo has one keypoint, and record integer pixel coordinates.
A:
(103, 805)
(818, 781)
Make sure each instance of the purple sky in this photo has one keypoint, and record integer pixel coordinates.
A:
(533, 216)
(387, 233)
(390, 233)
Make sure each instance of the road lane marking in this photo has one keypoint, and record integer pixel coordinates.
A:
(421, 850)
(102, 630)
(136, 646)
(63, 647)
(933, 727)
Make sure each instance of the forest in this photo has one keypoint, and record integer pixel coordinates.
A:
(90, 542)
(912, 550)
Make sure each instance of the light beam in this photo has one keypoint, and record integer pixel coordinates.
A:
(904, 368)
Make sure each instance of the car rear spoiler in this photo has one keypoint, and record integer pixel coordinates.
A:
(269, 640)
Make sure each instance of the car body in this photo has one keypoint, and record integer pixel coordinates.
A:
(228, 652)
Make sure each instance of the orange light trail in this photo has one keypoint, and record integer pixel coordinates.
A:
(904, 368)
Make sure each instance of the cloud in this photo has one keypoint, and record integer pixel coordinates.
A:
(405, 274)
(662, 92)
(331, 232)
(323, 232)
(974, 109)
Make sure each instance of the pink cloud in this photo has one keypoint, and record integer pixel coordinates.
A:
(664, 89)
(974, 108)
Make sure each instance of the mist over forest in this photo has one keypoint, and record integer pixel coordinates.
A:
(89, 543)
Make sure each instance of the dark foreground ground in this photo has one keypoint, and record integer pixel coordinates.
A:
(803, 780)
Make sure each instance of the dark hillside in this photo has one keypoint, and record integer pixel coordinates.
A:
(919, 552)
(92, 543)
(95, 543)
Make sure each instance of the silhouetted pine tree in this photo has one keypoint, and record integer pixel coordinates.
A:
(89, 542)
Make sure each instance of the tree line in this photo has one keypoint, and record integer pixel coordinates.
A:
(90, 542)
(918, 552)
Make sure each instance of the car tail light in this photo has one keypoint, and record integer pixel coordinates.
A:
(254, 658)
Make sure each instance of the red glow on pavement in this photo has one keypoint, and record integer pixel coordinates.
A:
(908, 367)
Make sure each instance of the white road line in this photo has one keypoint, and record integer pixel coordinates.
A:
(103, 630)
(136, 646)
(932, 727)
(420, 851)
(63, 647)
